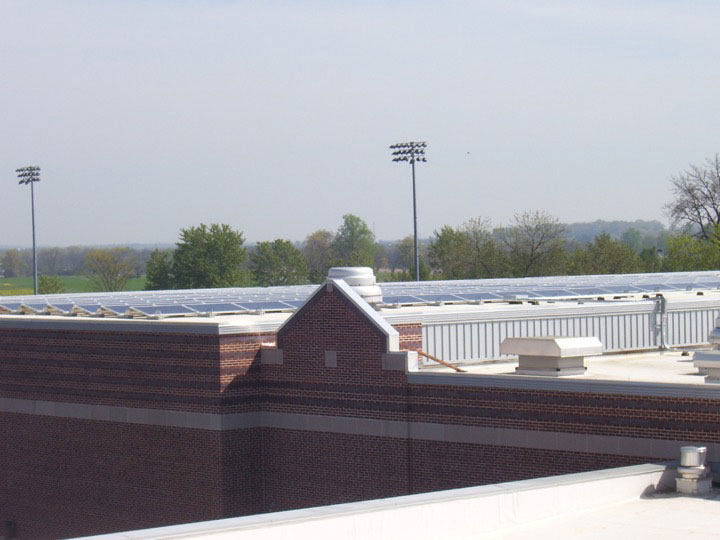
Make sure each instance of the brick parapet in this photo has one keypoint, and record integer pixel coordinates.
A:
(330, 322)
(164, 371)
(602, 414)
(410, 336)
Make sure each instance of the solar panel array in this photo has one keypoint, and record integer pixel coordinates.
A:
(159, 304)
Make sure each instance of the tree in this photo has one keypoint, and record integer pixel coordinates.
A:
(354, 243)
(109, 269)
(278, 263)
(486, 258)
(75, 260)
(50, 261)
(403, 256)
(536, 244)
(211, 256)
(382, 256)
(12, 263)
(605, 255)
(697, 197)
(159, 271)
(651, 260)
(50, 285)
(450, 253)
(687, 253)
(318, 253)
(632, 238)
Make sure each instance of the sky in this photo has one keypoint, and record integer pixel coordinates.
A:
(275, 117)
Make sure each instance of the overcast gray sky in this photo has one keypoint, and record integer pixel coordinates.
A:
(275, 117)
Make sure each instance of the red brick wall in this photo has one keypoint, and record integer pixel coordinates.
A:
(332, 468)
(674, 418)
(162, 371)
(304, 468)
(440, 465)
(410, 336)
(330, 322)
(64, 477)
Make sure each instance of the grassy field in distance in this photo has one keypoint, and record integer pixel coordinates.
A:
(73, 284)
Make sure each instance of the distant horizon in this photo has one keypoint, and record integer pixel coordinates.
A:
(145, 245)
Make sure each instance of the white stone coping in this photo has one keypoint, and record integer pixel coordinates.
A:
(584, 385)
(554, 346)
(406, 361)
(457, 513)
(216, 325)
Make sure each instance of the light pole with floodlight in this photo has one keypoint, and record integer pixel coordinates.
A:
(412, 152)
(30, 175)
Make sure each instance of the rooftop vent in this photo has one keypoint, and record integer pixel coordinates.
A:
(694, 474)
(361, 279)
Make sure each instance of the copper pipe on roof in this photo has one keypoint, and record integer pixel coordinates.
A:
(443, 362)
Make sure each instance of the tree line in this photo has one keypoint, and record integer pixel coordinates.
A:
(215, 256)
(532, 244)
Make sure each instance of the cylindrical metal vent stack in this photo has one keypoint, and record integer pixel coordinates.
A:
(361, 279)
(693, 474)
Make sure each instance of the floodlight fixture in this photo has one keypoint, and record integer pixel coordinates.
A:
(411, 152)
(30, 175)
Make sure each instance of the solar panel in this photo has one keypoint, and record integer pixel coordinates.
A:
(35, 307)
(62, 309)
(402, 300)
(87, 309)
(162, 310)
(655, 287)
(216, 308)
(290, 298)
(621, 289)
(686, 285)
(114, 309)
(552, 293)
(266, 306)
(480, 296)
(10, 306)
(587, 291)
(440, 298)
(295, 303)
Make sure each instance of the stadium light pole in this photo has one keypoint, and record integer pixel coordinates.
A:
(411, 152)
(30, 175)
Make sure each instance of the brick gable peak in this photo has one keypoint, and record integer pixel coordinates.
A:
(339, 286)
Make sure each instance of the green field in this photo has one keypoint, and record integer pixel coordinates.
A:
(72, 284)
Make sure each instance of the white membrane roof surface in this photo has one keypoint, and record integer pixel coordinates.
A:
(176, 303)
(667, 367)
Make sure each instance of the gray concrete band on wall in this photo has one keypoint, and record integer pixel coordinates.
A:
(603, 444)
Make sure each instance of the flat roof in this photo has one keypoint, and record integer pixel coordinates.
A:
(635, 502)
(658, 516)
(667, 367)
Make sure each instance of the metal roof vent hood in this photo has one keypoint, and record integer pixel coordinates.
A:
(361, 279)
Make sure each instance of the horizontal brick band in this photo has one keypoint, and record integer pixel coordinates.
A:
(601, 444)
